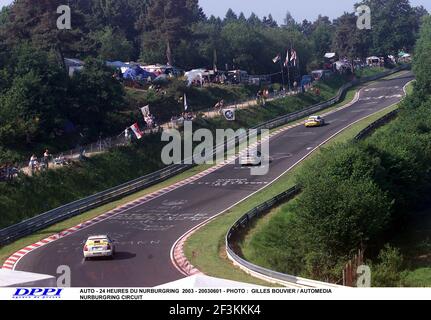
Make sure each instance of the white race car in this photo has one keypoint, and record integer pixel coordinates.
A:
(252, 159)
(99, 246)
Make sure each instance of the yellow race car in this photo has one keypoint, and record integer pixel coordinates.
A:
(315, 121)
(99, 246)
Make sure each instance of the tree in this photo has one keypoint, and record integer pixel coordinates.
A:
(342, 206)
(306, 27)
(33, 106)
(269, 22)
(167, 23)
(394, 25)
(387, 272)
(289, 21)
(254, 20)
(112, 44)
(94, 93)
(349, 41)
(231, 16)
(422, 61)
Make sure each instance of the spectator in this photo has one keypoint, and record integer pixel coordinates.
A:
(46, 157)
(33, 163)
(82, 153)
(127, 135)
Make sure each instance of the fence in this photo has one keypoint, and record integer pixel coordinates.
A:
(236, 231)
(350, 275)
(75, 208)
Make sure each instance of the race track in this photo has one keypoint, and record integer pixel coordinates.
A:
(146, 234)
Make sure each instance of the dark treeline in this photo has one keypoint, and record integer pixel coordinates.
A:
(178, 31)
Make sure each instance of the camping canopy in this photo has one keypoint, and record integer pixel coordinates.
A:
(330, 55)
(117, 64)
(192, 75)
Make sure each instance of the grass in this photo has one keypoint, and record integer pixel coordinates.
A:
(410, 88)
(206, 248)
(418, 278)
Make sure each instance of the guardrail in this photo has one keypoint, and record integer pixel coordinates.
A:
(67, 211)
(243, 223)
(266, 274)
(377, 124)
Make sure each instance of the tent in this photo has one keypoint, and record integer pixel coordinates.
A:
(373, 60)
(163, 78)
(330, 55)
(138, 74)
(117, 64)
(195, 74)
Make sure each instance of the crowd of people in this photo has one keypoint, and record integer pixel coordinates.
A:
(8, 172)
(37, 165)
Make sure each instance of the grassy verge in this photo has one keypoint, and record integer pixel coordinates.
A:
(206, 248)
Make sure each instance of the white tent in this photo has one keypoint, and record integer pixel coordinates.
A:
(194, 74)
(203, 281)
(330, 55)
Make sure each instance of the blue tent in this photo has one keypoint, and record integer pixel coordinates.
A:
(137, 73)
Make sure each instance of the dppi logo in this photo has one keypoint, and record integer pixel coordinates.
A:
(37, 293)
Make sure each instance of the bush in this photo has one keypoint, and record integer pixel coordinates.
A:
(387, 272)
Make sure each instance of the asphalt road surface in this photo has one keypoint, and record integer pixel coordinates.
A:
(145, 234)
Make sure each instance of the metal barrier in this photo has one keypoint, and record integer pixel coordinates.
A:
(255, 270)
(67, 211)
(377, 124)
(244, 222)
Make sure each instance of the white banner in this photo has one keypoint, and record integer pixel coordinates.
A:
(222, 294)
(146, 111)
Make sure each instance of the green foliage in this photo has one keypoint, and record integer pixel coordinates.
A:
(358, 195)
(416, 279)
(394, 25)
(113, 45)
(37, 98)
(422, 62)
(94, 94)
(28, 196)
(387, 271)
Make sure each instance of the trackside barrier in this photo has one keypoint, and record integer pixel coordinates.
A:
(377, 124)
(72, 209)
(266, 274)
(243, 224)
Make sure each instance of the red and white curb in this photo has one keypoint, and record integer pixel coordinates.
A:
(177, 254)
(12, 261)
